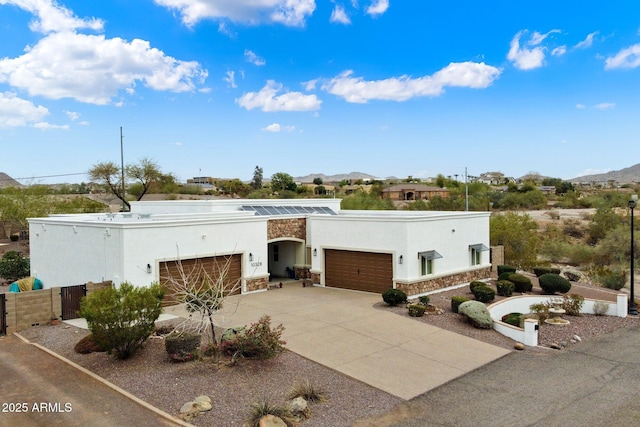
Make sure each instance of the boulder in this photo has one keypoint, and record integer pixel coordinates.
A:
(477, 313)
(271, 421)
(518, 346)
(203, 403)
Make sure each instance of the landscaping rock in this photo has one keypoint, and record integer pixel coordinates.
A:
(519, 346)
(555, 346)
(203, 403)
(190, 410)
(271, 421)
(477, 313)
(299, 408)
(577, 338)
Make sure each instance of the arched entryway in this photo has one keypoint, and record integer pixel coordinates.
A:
(286, 255)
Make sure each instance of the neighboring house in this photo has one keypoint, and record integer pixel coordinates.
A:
(413, 192)
(416, 251)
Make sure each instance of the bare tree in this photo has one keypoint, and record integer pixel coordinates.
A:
(204, 292)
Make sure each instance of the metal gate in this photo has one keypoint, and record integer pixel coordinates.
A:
(3, 315)
(70, 297)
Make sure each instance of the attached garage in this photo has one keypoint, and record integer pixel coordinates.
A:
(192, 268)
(361, 271)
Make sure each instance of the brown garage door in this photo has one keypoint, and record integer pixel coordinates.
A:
(362, 271)
(192, 269)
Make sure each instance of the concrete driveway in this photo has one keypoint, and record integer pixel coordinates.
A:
(342, 330)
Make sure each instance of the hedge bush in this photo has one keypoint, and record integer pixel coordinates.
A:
(475, 284)
(513, 319)
(14, 266)
(484, 294)
(505, 288)
(394, 297)
(416, 310)
(456, 300)
(122, 319)
(552, 283)
(539, 271)
(424, 299)
(521, 282)
(505, 269)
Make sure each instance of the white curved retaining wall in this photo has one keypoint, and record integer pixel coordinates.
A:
(529, 335)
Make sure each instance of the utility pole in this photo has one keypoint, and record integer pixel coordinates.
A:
(124, 208)
(466, 191)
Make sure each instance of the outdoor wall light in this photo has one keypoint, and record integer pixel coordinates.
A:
(400, 259)
(149, 268)
(250, 256)
(453, 230)
(315, 252)
(204, 236)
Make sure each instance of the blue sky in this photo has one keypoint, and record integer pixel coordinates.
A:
(385, 87)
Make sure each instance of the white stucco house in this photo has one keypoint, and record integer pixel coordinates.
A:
(265, 240)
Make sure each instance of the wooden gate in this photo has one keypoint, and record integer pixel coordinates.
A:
(3, 315)
(70, 297)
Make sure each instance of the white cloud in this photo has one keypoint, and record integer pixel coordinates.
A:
(537, 37)
(338, 15)
(230, 79)
(268, 100)
(604, 106)
(310, 85)
(16, 112)
(73, 116)
(48, 126)
(524, 58)
(287, 12)
(593, 172)
(559, 51)
(251, 57)
(581, 106)
(92, 69)
(378, 7)
(463, 74)
(587, 42)
(52, 17)
(626, 58)
(276, 127)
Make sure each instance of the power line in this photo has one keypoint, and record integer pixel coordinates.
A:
(43, 176)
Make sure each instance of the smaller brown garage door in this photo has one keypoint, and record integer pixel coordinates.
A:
(361, 271)
(192, 269)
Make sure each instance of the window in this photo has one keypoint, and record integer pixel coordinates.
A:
(276, 257)
(476, 253)
(426, 261)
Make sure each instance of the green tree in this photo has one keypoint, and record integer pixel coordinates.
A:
(281, 181)
(317, 181)
(18, 204)
(519, 236)
(256, 183)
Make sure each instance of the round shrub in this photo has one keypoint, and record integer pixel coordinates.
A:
(475, 284)
(394, 297)
(539, 271)
(552, 283)
(505, 269)
(424, 299)
(521, 282)
(484, 293)
(505, 288)
(512, 319)
(504, 275)
(416, 310)
(456, 300)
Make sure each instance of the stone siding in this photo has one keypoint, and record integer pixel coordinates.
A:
(256, 284)
(497, 257)
(315, 278)
(302, 272)
(291, 227)
(415, 288)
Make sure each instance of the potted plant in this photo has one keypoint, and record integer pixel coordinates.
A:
(54, 319)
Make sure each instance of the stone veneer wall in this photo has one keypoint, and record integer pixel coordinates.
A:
(257, 284)
(302, 272)
(291, 227)
(31, 308)
(315, 277)
(415, 288)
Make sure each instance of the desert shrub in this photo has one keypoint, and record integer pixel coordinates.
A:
(552, 283)
(394, 297)
(476, 283)
(580, 254)
(424, 299)
(541, 310)
(308, 392)
(182, 346)
(505, 269)
(87, 345)
(484, 294)
(521, 283)
(572, 304)
(512, 319)
(539, 271)
(612, 279)
(14, 266)
(456, 300)
(266, 407)
(477, 314)
(122, 319)
(600, 308)
(416, 310)
(572, 276)
(505, 288)
(259, 341)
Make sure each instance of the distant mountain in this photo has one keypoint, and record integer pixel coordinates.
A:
(7, 181)
(622, 176)
(336, 178)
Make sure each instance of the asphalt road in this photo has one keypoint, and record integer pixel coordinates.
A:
(37, 389)
(595, 383)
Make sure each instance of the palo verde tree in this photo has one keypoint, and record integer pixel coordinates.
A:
(519, 236)
(18, 204)
(145, 174)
